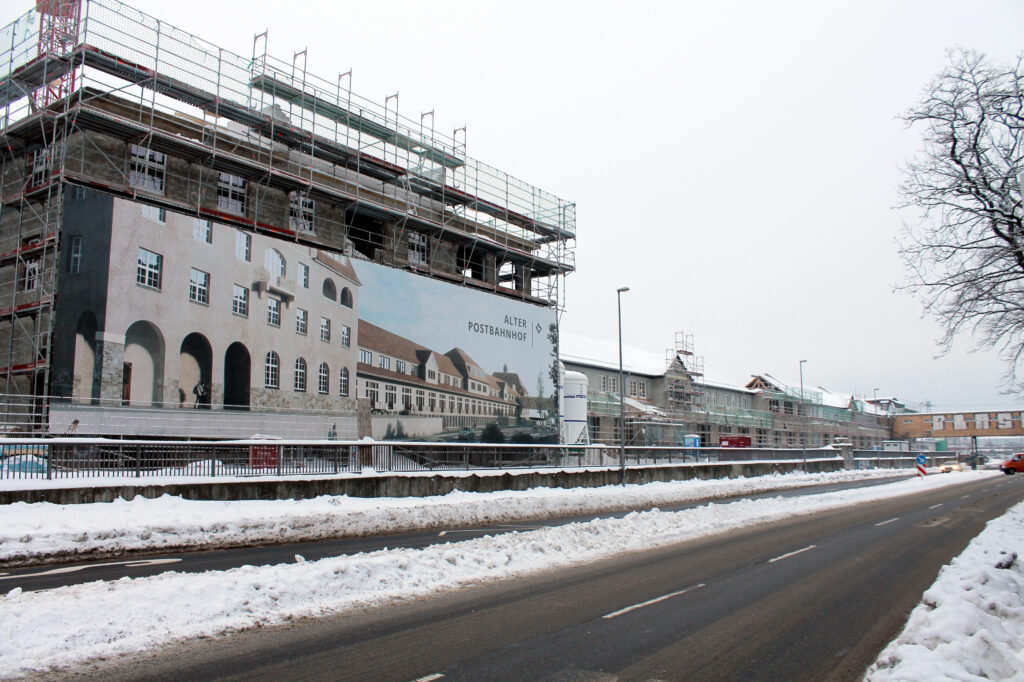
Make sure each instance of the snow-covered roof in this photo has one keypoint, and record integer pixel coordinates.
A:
(604, 353)
(641, 406)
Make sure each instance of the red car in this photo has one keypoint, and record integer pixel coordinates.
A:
(1013, 465)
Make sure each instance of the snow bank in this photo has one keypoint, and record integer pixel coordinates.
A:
(40, 629)
(42, 531)
(970, 623)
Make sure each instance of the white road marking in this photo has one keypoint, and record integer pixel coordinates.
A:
(935, 506)
(663, 597)
(895, 518)
(83, 567)
(789, 554)
(964, 497)
(488, 529)
(429, 678)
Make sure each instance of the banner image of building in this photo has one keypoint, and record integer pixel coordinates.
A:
(438, 360)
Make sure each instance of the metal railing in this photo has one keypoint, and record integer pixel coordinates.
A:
(65, 458)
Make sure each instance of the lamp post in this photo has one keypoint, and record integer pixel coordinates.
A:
(876, 417)
(622, 401)
(803, 423)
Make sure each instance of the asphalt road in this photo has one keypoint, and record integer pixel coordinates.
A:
(143, 564)
(810, 598)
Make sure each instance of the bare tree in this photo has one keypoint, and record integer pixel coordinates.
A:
(965, 256)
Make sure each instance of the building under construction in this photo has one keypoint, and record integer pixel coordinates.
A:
(140, 162)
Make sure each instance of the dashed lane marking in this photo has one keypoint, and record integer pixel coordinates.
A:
(789, 554)
(663, 597)
(935, 506)
(85, 567)
(895, 518)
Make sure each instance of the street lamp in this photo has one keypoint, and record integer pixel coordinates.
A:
(803, 416)
(622, 401)
(876, 418)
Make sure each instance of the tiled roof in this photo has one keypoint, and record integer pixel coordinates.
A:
(343, 266)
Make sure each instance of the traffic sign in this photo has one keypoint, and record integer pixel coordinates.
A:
(921, 459)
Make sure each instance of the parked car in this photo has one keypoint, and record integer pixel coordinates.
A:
(1013, 465)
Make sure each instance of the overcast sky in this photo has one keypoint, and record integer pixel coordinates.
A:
(733, 163)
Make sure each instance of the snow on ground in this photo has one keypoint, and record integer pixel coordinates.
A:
(40, 629)
(40, 531)
(970, 623)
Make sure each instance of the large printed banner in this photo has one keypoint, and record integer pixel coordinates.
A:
(507, 339)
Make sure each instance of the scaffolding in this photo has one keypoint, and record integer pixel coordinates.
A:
(92, 90)
(684, 379)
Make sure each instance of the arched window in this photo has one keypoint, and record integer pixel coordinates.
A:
(272, 370)
(300, 374)
(274, 263)
(323, 384)
(330, 291)
(346, 297)
(343, 382)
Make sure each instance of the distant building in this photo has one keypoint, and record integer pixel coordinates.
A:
(669, 397)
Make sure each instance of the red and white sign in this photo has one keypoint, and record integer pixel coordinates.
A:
(263, 456)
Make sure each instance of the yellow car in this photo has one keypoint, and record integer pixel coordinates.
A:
(949, 466)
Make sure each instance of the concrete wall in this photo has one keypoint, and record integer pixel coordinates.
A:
(409, 486)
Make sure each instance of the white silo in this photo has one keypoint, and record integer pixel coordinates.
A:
(574, 409)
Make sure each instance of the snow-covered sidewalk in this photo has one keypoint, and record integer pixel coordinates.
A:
(970, 623)
(34, 532)
(44, 628)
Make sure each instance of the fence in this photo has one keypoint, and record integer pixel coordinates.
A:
(65, 458)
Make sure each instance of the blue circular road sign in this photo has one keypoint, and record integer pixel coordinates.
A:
(921, 459)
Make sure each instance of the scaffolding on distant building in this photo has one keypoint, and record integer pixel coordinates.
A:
(360, 178)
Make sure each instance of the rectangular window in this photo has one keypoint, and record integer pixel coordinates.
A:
(40, 166)
(325, 329)
(390, 395)
(75, 257)
(147, 169)
(240, 301)
(300, 212)
(304, 275)
(365, 357)
(400, 366)
(301, 321)
(31, 275)
(372, 392)
(154, 213)
(604, 384)
(78, 193)
(199, 287)
(149, 268)
(202, 231)
(418, 249)
(642, 392)
(346, 336)
(243, 246)
(385, 362)
(632, 387)
(231, 193)
(274, 312)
